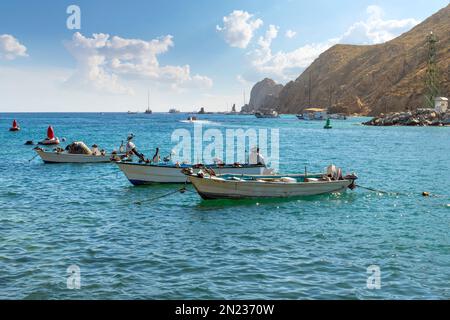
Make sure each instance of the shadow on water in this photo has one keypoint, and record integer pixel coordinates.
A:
(222, 203)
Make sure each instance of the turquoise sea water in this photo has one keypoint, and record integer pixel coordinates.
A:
(181, 247)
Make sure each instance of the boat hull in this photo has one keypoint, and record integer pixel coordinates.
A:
(141, 174)
(62, 157)
(220, 189)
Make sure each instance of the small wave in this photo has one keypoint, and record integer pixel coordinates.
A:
(200, 121)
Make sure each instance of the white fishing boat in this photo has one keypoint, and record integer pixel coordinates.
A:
(141, 173)
(210, 186)
(77, 152)
(64, 157)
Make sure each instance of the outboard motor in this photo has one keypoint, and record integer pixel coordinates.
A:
(352, 177)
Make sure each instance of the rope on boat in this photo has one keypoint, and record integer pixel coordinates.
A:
(182, 190)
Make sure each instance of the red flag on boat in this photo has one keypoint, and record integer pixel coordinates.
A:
(50, 133)
(15, 124)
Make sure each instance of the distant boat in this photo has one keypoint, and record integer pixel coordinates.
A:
(269, 114)
(337, 116)
(192, 118)
(148, 110)
(132, 112)
(320, 114)
(15, 126)
(313, 114)
(173, 110)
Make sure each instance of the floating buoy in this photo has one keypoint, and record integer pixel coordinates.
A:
(15, 126)
(50, 133)
(425, 194)
(328, 124)
(51, 139)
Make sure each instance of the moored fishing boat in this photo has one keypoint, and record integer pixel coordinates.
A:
(212, 186)
(77, 152)
(64, 157)
(141, 173)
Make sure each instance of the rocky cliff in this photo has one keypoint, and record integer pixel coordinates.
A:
(373, 79)
(264, 96)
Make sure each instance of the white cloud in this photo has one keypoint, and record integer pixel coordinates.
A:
(46, 91)
(376, 30)
(263, 53)
(290, 34)
(238, 28)
(11, 48)
(287, 65)
(104, 62)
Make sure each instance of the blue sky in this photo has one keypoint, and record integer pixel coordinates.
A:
(216, 49)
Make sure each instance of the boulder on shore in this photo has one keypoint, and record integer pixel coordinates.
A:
(420, 117)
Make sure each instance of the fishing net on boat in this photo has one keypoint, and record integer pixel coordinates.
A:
(78, 147)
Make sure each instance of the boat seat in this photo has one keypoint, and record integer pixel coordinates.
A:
(288, 180)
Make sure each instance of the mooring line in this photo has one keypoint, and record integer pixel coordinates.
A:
(379, 191)
(182, 190)
(33, 158)
(424, 193)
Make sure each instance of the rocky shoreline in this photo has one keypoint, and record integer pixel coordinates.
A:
(420, 117)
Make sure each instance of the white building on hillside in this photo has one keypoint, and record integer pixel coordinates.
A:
(440, 104)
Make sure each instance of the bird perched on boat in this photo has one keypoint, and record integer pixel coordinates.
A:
(95, 150)
(259, 158)
(156, 158)
(122, 148)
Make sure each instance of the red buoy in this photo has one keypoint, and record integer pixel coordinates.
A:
(15, 126)
(51, 139)
(50, 133)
